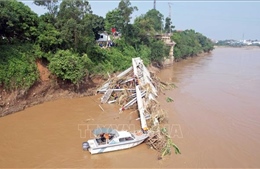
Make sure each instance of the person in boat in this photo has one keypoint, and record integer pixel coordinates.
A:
(103, 139)
(107, 136)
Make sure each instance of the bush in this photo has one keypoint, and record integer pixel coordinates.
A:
(145, 54)
(70, 66)
(157, 51)
(17, 66)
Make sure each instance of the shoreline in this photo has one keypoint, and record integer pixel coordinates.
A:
(46, 91)
(245, 47)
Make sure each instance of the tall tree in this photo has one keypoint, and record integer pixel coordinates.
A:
(50, 38)
(98, 24)
(113, 20)
(74, 23)
(148, 25)
(125, 11)
(156, 18)
(51, 5)
(144, 28)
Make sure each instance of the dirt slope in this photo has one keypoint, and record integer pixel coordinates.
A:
(47, 88)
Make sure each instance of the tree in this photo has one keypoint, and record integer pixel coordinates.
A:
(17, 21)
(144, 28)
(148, 25)
(206, 43)
(190, 43)
(51, 5)
(125, 11)
(97, 24)
(158, 51)
(49, 38)
(75, 9)
(113, 20)
(132, 35)
(120, 17)
(168, 25)
(156, 19)
(75, 24)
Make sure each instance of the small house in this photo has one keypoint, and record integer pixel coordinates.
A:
(103, 37)
(104, 40)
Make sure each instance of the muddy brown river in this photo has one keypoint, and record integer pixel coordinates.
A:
(214, 119)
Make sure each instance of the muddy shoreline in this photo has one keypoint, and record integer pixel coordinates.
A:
(48, 90)
(12, 102)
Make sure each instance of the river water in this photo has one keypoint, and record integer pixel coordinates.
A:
(214, 120)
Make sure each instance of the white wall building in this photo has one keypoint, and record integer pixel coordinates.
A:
(104, 37)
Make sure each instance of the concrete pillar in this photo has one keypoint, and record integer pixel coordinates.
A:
(170, 60)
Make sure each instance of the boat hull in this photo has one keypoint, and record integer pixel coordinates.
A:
(116, 147)
(107, 140)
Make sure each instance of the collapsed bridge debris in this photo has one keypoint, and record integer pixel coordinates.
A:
(136, 86)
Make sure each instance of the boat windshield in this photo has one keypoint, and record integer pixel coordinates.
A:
(101, 130)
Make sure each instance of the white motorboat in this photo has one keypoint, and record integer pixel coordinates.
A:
(108, 139)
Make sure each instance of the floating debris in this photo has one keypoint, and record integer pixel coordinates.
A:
(101, 107)
(162, 142)
(169, 99)
(88, 120)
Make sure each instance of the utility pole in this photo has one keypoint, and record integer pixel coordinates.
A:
(170, 15)
(154, 4)
(170, 10)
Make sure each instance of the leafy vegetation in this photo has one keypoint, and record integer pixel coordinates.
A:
(159, 50)
(17, 65)
(168, 25)
(18, 22)
(189, 43)
(70, 66)
(65, 37)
